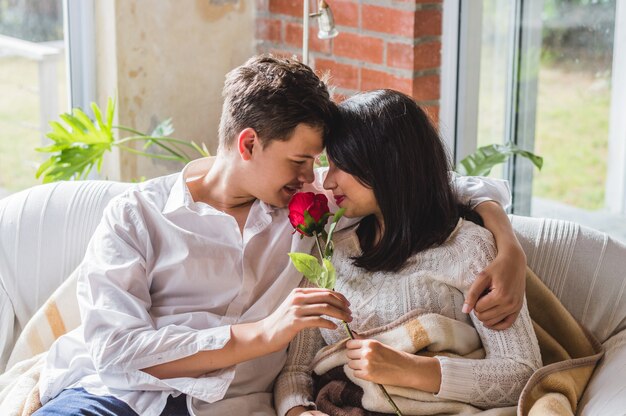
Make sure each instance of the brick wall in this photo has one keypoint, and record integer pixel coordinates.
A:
(381, 44)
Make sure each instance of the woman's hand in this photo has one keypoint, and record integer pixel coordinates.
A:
(374, 361)
(303, 411)
(497, 294)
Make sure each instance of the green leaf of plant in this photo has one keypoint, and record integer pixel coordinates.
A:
(338, 214)
(331, 276)
(110, 111)
(307, 265)
(485, 158)
(165, 128)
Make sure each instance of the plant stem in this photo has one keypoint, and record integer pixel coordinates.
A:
(144, 137)
(390, 400)
(317, 243)
(153, 155)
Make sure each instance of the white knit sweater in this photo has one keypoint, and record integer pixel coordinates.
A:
(435, 281)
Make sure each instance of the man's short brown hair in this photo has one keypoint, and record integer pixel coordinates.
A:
(273, 95)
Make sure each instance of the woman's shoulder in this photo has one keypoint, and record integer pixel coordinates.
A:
(467, 232)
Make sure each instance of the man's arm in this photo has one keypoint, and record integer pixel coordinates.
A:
(114, 299)
(502, 284)
(302, 309)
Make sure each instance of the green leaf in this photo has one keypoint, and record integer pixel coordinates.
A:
(110, 111)
(485, 158)
(328, 252)
(307, 265)
(331, 275)
(165, 128)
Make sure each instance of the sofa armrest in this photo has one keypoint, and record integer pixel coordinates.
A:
(606, 392)
(7, 327)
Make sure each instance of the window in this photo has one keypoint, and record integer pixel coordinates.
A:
(33, 85)
(43, 44)
(551, 78)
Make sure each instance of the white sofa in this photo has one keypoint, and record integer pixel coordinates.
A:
(44, 232)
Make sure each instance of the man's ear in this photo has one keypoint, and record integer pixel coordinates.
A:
(247, 143)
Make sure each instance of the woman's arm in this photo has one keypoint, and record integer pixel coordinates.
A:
(293, 390)
(497, 294)
(374, 361)
(511, 355)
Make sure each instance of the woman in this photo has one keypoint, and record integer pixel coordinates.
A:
(412, 249)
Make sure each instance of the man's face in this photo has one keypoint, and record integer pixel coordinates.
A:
(283, 167)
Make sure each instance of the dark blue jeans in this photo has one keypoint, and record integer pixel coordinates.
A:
(72, 402)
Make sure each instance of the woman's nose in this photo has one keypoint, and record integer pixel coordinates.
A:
(329, 180)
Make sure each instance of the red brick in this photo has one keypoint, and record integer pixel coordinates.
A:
(346, 13)
(364, 48)
(290, 7)
(372, 79)
(341, 75)
(433, 113)
(262, 5)
(416, 57)
(426, 88)
(387, 20)
(427, 23)
(293, 36)
(268, 29)
(338, 98)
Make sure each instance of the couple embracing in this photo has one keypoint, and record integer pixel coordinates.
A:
(189, 304)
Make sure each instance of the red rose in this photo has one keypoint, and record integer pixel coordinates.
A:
(316, 205)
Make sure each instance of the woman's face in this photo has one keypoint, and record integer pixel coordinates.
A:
(357, 199)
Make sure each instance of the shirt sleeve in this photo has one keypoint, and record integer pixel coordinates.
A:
(114, 300)
(474, 190)
(511, 355)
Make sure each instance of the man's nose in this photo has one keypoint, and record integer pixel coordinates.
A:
(307, 175)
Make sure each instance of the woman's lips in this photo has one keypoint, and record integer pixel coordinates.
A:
(339, 199)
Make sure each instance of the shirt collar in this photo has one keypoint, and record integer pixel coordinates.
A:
(180, 196)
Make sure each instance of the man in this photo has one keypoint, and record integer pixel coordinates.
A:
(187, 298)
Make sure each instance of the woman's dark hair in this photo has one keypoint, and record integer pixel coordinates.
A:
(387, 142)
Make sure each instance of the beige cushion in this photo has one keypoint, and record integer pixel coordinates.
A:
(58, 315)
(584, 268)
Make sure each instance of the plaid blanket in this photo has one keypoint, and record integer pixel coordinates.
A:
(569, 354)
(568, 351)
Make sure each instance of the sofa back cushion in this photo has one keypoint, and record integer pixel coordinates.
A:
(44, 233)
(586, 270)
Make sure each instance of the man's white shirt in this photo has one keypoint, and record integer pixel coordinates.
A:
(165, 277)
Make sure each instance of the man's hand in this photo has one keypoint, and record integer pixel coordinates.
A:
(302, 309)
(497, 294)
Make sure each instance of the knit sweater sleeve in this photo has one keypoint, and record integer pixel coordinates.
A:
(294, 385)
(511, 355)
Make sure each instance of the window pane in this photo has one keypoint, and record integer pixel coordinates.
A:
(495, 73)
(573, 107)
(33, 85)
(547, 69)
